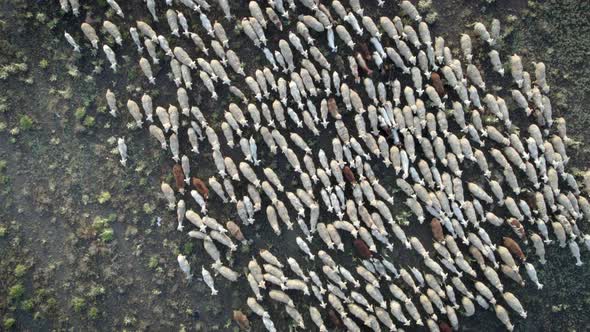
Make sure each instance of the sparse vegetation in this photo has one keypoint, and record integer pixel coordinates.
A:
(78, 304)
(188, 248)
(80, 113)
(9, 323)
(3, 177)
(104, 197)
(25, 122)
(431, 17)
(153, 263)
(89, 121)
(15, 292)
(43, 64)
(7, 71)
(96, 291)
(93, 313)
(20, 270)
(107, 234)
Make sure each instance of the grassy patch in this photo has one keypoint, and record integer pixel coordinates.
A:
(89, 121)
(104, 197)
(80, 113)
(93, 313)
(20, 270)
(9, 323)
(16, 292)
(107, 235)
(11, 69)
(78, 304)
(25, 122)
(153, 263)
